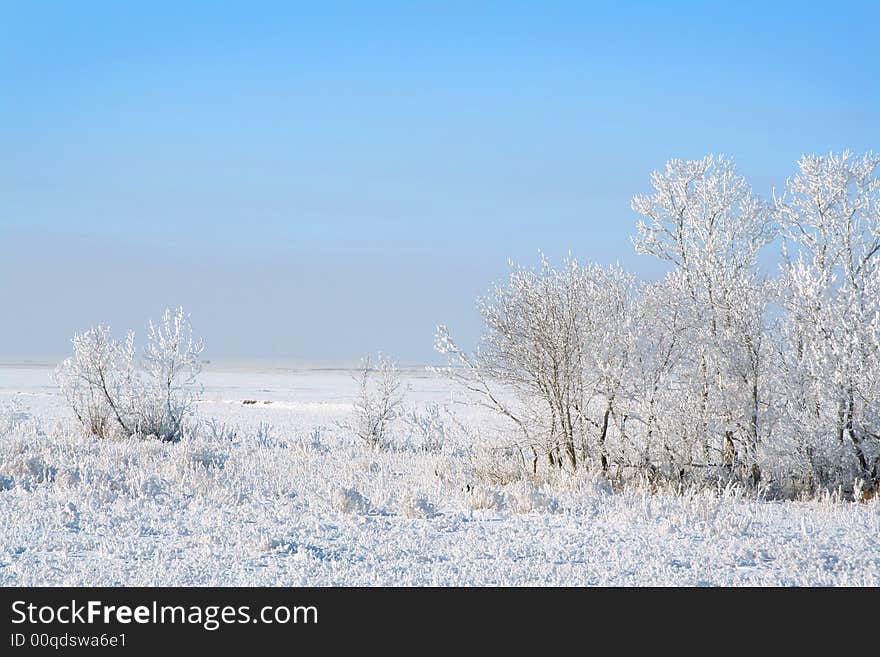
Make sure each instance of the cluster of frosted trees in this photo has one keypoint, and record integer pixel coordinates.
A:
(716, 370)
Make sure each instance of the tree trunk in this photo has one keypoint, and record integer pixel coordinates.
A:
(603, 455)
(729, 457)
(856, 443)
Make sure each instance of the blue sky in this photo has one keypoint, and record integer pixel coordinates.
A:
(320, 181)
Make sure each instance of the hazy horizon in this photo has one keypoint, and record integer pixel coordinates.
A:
(253, 364)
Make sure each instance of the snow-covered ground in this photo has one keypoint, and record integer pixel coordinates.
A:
(279, 494)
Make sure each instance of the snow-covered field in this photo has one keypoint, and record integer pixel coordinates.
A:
(278, 493)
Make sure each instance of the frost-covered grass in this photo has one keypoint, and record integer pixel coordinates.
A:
(279, 494)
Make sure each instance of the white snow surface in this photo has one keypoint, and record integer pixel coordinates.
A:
(279, 494)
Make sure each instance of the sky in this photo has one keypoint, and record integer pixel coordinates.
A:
(320, 181)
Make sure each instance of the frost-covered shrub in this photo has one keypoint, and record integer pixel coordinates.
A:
(497, 467)
(589, 484)
(115, 394)
(218, 431)
(380, 396)
(206, 457)
(528, 499)
(349, 500)
(27, 470)
(68, 478)
(429, 427)
(11, 417)
(98, 382)
(154, 487)
(264, 436)
(484, 497)
(416, 506)
(369, 466)
(107, 485)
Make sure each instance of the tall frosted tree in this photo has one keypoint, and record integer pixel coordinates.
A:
(705, 221)
(830, 290)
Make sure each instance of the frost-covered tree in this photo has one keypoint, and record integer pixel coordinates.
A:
(705, 221)
(171, 365)
(378, 402)
(115, 394)
(98, 382)
(659, 409)
(553, 358)
(830, 291)
(429, 427)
